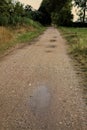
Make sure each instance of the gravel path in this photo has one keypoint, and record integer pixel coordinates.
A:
(39, 89)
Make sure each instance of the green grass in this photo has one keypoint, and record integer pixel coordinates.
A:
(77, 41)
(28, 36)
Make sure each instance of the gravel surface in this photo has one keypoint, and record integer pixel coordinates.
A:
(39, 88)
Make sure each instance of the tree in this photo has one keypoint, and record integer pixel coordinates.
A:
(4, 15)
(46, 15)
(16, 12)
(28, 11)
(11, 12)
(59, 12)
(64, 17)
(82, 4)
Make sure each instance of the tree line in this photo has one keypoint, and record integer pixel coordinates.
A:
(14, 13)
(60, 12)
(51, 11)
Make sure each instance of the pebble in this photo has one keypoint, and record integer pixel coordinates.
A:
(29, 84)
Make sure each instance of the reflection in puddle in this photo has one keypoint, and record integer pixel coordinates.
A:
(40, 99)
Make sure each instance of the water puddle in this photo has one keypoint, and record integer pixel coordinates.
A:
(52, 40)
(48, 51)
(40, 99)
(55, 37)
(51, 46)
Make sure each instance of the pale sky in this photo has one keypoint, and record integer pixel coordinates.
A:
(74, 11)
(36, 3)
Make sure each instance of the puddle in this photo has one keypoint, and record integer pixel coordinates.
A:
(48, 51)
(52, 40)
(51, 46)
(55, 37)
(40, 99)
(38, 45)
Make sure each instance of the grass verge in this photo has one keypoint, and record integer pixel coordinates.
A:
(77, 41)
(12, 36)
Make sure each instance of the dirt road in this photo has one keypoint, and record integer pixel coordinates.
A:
(39, 89)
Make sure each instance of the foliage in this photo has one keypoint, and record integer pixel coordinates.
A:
(82, 5)
(28, 11)
(57, 11)
(10, 12)
(16, 24)
(64, 17)
(15, 35)
(14, 13)
(45, 12)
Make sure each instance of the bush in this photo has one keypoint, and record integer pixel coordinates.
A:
(4, 20)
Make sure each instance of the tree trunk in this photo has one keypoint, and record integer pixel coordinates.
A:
(84, 11)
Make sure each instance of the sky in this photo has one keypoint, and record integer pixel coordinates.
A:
(36, 3)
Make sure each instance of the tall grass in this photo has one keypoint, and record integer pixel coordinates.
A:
(77, 39)
(5, 35)
(11, 36)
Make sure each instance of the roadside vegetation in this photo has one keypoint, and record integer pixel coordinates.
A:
(77, 41)
(11, 36)
(17, 24)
